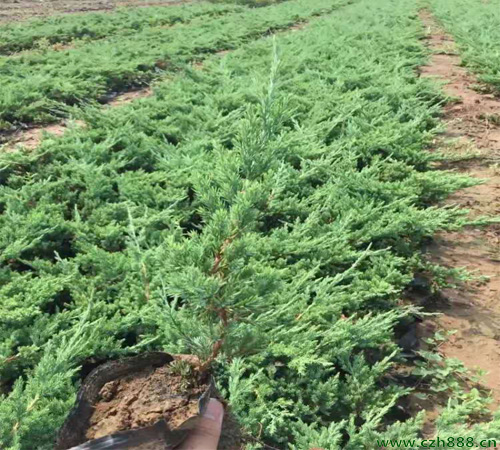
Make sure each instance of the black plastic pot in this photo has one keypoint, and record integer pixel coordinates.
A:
(156, 437)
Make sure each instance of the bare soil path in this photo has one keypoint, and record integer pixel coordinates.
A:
(14, 10)
(472, 122)
(31, 137)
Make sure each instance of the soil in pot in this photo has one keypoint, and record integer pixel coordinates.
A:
(170, 392)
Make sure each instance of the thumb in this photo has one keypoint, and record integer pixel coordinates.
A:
(207, 433)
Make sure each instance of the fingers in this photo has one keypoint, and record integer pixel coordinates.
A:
(207, 433)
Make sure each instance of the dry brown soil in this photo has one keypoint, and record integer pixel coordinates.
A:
(142, 399)
(29, 138)
(13, 10)
(130, 96)
(473, 308)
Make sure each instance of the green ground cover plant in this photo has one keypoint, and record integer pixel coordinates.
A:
(65, 29)
(264, 213)
(475, 25)
(253, 3)
(37, 87)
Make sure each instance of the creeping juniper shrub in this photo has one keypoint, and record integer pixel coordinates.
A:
(272, 239)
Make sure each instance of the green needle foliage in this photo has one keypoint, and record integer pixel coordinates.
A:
(475, 25)
(264, 213)
(37, 86)
(65, 29)
(253, 3)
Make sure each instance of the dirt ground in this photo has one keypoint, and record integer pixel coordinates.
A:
(472, 138)
(15, 10)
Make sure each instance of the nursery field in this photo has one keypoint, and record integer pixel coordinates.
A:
(138, 46)
(11, 10)
(264, 210)
(474, 26)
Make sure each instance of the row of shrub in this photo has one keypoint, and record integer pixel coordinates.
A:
(37, 87)
(475, 25)
(76, 29)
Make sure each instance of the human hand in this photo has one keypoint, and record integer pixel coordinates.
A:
(207, 433)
